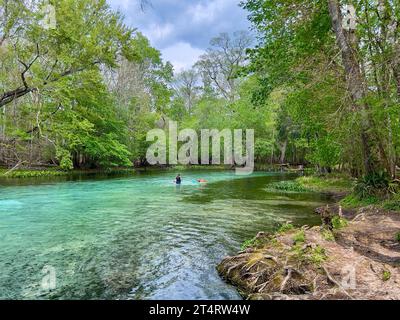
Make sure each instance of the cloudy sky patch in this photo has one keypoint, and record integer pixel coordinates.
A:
(182, 29)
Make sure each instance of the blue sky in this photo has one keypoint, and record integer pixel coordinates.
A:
(182, 29)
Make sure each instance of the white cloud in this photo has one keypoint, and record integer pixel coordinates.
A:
(158, 33)
(208, 12)
(182, 55)
(180, 29)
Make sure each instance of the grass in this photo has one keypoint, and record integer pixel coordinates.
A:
(328, 235)
(390, 202)
(397, 237)
(336, 183)
(339, 223)
(287, 186)
(327, 183)
(314, 256)
(352, 201)
(286, 227)
(31, 173)
(248, 244)
(318, 255)
(386, 275)
(253, 243)
(299, 237)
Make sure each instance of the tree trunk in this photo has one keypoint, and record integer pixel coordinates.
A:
(348, 43)
(283, 148)
(396, 68)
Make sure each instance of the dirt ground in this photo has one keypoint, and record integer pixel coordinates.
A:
(358, 261)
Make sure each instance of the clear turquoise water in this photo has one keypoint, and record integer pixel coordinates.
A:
(138, 237)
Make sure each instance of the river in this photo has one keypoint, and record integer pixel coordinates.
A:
(135, 237)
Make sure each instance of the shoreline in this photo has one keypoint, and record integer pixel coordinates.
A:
(353, 255)
(38, 172)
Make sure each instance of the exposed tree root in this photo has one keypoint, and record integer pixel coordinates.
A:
(280, 268)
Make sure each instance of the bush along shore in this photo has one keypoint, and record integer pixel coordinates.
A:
(354, 254)
(56, 172)
(38, 172)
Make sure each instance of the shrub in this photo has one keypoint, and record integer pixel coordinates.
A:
(64, 156)
(287, 186)
(318, 255)
(328, 235)
(251, 243)
(353, 201)
(386, 275)
(299, 237)
(339, 223)
(286, 227)
(372, 185)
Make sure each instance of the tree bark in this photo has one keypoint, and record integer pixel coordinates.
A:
(348, 43)
(396, 68)
(283, 148)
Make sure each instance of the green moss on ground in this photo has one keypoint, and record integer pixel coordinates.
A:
(335, 183)
(331, 183)
(390, 202)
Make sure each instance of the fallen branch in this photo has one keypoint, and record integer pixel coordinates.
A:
(287, 278)
(14, 168)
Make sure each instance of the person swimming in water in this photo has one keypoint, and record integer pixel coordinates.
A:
(201, 181)
(178, 179)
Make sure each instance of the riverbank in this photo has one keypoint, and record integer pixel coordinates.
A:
(354, 254)
(334, 184)
(55, 172)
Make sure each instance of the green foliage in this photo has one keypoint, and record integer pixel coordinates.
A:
(299, 237)
(318, 255)
(324, 152)
(372, 185)
(326, 183)
(72, 108)
(305, 254)
(286, 227)
(287, 186)
(392, 204)
(339, 223)
(386, 275)
(248, 244)
(251, 243)
(317, 118)
(94, 87)
(31, 173)
(328, 235)
(64, 156)
(353, 201)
